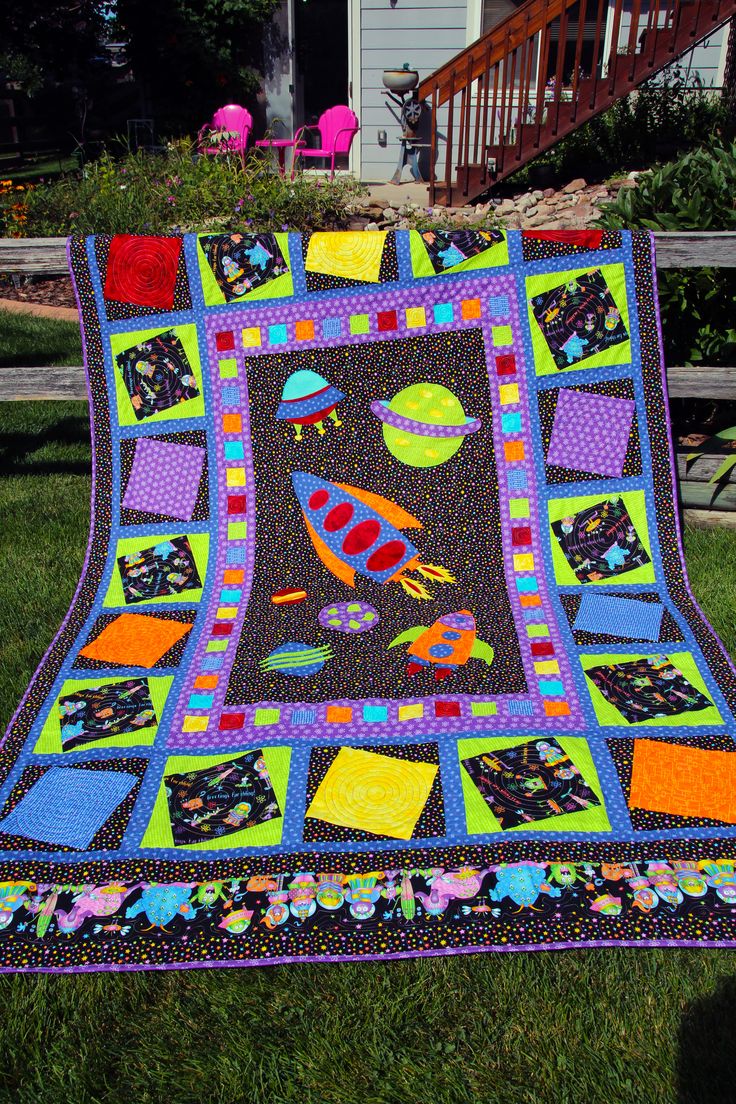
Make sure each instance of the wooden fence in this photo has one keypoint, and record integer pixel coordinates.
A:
(704, 503)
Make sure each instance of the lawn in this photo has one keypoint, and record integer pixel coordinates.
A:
(572, 1027)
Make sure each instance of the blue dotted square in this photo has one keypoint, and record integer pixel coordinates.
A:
(230, 396)
(520, 708)
(498, 306)
(234, 450)
(375, 713)
(303, 717)
(235, 555)
(212, 662)
(517, 480)
(68, 806)
(511, 423)
(442, 313)
(331, 327)
(277, 335)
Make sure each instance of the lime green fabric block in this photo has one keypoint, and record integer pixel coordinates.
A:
(279, 288)
(217, 646)
(635, 503)
(49, 739)
(478, 816)
(518, 507)
(607, 713)
(237, 530)
(190, 408)
(359, 324)
(265, 717)
(502, 335)
(159, 834)
(483, 709)
(544, 363)
(199, 543)
(228, 369)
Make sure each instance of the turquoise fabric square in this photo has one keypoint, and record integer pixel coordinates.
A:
(200, 701)
(277, 335)
(375, 713)
(443, 313)
(231, 597)
(234, 450)
(511, 423)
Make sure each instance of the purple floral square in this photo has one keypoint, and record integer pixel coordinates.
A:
(591, 433)
(164, 478)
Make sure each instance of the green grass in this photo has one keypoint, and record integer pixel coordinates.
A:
(32, 171)
(579, 1027)
(26, 339)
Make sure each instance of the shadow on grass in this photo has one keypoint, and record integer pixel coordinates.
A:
(18, 449)
(707, 1047)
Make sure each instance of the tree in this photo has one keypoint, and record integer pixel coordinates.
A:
(192, 56)
(46, 42)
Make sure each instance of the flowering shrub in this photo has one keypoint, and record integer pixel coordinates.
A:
(175, 190)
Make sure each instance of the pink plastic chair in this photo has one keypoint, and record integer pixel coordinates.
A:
(337, 127)
(234, 121)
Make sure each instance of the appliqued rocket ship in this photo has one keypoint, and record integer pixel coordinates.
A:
(357, 532)
(446, 645)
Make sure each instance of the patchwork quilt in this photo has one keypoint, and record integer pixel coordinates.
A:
(384, 644)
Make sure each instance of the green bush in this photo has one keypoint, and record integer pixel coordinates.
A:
(698, 192)
(671, 112)
(143, 192)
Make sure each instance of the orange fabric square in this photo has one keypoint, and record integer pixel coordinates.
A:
(513, 450)
(339, 714)
(232, 423)
(135, 640)
(206, 682)
(233, 575)
(471, 308)
(686, 781)
(556, 709)
(304, 329)
(527, 601)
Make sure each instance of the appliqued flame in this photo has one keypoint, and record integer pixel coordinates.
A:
(434, 571)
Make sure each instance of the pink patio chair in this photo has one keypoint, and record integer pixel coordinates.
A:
(234, 123)
(336, 127)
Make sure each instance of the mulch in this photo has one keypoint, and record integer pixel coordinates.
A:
(50, 291)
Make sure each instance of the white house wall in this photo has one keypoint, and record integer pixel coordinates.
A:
(426, 33)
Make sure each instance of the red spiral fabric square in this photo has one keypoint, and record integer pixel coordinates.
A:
(142, 270)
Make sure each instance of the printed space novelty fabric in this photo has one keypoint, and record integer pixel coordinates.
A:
(384, 644)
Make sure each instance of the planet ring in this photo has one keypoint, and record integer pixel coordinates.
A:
(423, 429)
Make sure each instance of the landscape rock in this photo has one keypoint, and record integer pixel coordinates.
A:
(574, 186)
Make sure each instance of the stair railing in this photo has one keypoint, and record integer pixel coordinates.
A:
(543, 71)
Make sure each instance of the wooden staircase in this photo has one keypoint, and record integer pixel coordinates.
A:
(543, 72)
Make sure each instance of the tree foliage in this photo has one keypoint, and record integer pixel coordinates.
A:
(192, 56)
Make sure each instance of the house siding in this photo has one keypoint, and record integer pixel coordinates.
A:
(426, 33)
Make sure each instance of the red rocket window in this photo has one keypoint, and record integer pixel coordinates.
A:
(361, 536)
(338, 516)
(388, 555)
(318, 499)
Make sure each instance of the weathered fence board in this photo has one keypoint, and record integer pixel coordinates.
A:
(47, 256)
(701, 382)
(702, 469)
(28, 383)
(42, 383)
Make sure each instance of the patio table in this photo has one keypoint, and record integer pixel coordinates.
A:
(280, 145)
